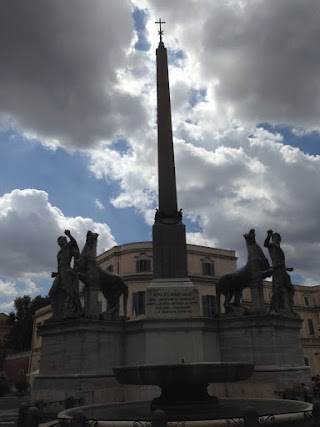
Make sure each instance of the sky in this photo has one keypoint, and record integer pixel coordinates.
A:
(78, 132)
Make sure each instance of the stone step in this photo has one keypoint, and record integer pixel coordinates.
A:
(8, 417)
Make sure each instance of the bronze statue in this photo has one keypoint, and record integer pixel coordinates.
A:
(256, 269)
(64, 293)
(282, 288)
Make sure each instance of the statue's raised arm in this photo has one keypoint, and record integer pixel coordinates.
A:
(64, 293)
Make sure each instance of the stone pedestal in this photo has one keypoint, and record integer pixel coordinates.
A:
(77, 356)
(76, 360)
(273, 344)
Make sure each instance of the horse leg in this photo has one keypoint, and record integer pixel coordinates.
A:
(227, 299)
(237, 298)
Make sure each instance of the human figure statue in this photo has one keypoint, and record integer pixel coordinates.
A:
(282, 288)
(64, 293)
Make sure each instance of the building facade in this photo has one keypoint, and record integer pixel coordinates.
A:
(133, 261)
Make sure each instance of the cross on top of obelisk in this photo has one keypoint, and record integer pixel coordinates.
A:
(160, 32)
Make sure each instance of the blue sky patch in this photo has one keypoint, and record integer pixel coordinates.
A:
(196, 96)
(140, 18)
(308, 143)
(121, 145)
(69, 183)
(176, 57)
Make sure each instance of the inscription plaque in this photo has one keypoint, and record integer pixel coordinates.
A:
(172, 303)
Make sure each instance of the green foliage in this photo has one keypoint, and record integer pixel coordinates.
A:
(21, 321)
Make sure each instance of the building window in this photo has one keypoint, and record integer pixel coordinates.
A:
(306, 361)
(209, 305)
(311, 327)
(208, 269)
(306, 301)
(138, 303)
(143, 265)
(110, 268)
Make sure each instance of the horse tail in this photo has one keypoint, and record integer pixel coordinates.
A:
(125, 299)
(218, 294)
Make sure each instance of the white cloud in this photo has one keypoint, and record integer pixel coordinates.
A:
(10, 290)
(247, 180)
(99, 204)
(6, 307)
(29, 227)
(310, 282)
(7, 289)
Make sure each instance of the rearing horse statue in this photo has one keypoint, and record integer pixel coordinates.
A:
(91, 274)
(256, 269)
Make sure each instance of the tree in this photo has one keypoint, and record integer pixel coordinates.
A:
(21, 321)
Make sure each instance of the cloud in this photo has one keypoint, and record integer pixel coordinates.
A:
(99, 204)
(258, 57)
(10, 290)
(6, 307)
(75, 80)
(7, 289)
(29, 227)
(59, 73)
(248, 179)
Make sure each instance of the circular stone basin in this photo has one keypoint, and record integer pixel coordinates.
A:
(184, 386)
(274, 411)
(184, 373)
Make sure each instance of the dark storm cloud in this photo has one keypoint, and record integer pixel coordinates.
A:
(58, 68)
(265, 55)
(267, 58)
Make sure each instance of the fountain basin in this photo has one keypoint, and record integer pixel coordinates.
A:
(184, 386)
(184, 398)
(184, 373)
(272, 412)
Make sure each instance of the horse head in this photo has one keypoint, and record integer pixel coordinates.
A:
(250, 237)
(91, 237)
(257, 261)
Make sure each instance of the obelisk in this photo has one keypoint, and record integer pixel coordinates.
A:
(176, 294)
(169, 234)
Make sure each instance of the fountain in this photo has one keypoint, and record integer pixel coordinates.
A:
(260, 348)
(184, 398)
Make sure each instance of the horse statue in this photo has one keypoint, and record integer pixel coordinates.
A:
(251, 275)
(92, 275)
